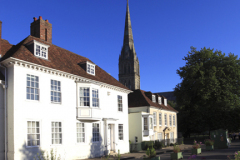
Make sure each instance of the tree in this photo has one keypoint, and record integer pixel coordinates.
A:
(172, 103)
(209, 92)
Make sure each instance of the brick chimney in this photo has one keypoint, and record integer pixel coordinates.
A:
(0, 39)
(41, 29)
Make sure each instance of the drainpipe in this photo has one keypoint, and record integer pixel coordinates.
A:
(5, 108)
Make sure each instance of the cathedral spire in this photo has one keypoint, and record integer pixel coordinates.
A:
(128, 36)
(129, 72)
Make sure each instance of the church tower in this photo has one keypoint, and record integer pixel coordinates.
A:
(129, 73)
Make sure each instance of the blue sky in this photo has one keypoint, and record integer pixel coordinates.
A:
(163, 31)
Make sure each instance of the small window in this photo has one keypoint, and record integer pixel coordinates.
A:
(56, 133)
(154, 98)
(170, 120)
(160, 136)
(151, 123)
(120, 106)
(84, 96)
(40, 50)
(55, 91)
(154, 118)
(32, 87)
(80, 132)
(145, 123)
(160, 119)
(165, 102)
(95, 132)
(95, 98)
(33, 133)
(159, 100)
(90, 68)
(120, 131)
(165, 119)
(136, 139)
(173, 120)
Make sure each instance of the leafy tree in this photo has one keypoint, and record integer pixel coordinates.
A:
(209, 92)
(172, 103)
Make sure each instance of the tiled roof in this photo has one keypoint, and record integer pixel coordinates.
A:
(169, 95)
(59, 59)
(138, 98)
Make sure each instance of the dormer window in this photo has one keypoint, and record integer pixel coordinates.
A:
(165, 102)
(90, 68)
(159, 100)
(154, 98)
(40, 50)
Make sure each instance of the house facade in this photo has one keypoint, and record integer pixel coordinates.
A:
(151, 118)
(53, 99)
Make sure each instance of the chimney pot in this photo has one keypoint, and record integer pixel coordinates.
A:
(40, 17)
(46, 20)
(35, 19)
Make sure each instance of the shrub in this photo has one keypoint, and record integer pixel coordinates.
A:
(146, 144)
(151, 152)
(158, 144)
(176, 149)
(209, 142)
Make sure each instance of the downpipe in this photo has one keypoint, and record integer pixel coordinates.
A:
(5, 86)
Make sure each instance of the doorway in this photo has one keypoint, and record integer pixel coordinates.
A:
(110, 137)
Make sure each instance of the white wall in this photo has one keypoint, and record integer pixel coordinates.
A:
(22, 110)
(2, 134)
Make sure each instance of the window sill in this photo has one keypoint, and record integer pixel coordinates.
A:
(33, 147)
(59, 103)
(35, 101)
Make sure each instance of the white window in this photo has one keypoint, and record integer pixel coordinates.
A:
(33, 133)
(159, 100)
(170, 120)
(165, 102)
(171, 137)
(120, 131)
(120, 108)
(154, 98)
(80, 132)
(165, 119)
(154, 118)
(159, 136)
(32, 87)
(40, 50)
(56, 133)
(160, 119)
(95, 98)
(95, 132)
(173, 120)
(55, 91)
(90, 68)
(84, 96)
(145, 123)
(150, 123)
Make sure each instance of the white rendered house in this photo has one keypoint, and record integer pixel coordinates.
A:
(51, 98)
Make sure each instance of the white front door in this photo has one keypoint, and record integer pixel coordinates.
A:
(109, 137)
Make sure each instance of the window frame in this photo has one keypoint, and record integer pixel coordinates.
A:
(160, 100)
(81, 132)
(88, 95)
(154, 118)
(165, 102)
(95, 104)
(170, 120)
(145, 123)
(160, 119)
(55, 91)
(153, 98)
(120, 104)
(30, 87)
(31, 146)
(60, 133)
(160, 137)
(39, 52)
(174, 121)
(120, 132)
(165, 120)
(95, 133)
(90, 68)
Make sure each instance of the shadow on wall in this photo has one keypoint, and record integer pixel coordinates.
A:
(36, 153)
(97, 147)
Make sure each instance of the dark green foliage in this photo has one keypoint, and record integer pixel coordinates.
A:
(147, 144)
(158, 144)
(151, 152)
(208, 96)
(172, 103)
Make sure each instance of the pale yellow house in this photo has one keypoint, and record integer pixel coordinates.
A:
(151, 118)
